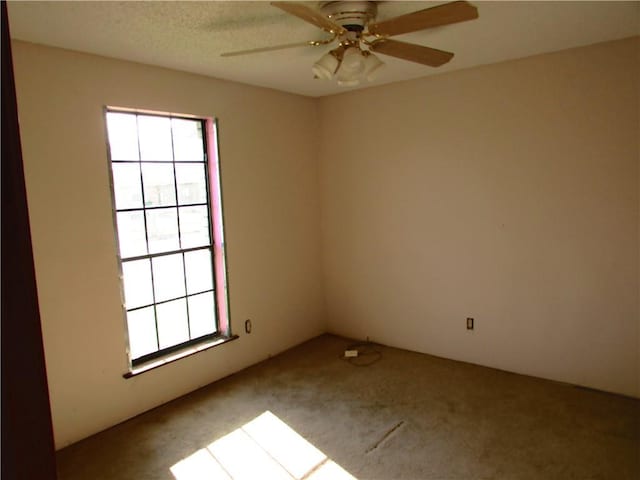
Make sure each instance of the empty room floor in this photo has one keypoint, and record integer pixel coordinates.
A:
(387, 414)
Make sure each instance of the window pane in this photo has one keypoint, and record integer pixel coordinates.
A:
(192, 186)
(142, 332)
(131, 234)
(162, 228)
(168, 277)
(202, 314)
(159, 186)
(172, 323)
(194, 226)
(162, 206)
(187, 139)
(136, 276)
(123, 137)
(126, 185)
(199, 271)
(155, 138)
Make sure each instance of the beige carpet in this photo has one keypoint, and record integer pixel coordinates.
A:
(310, 414)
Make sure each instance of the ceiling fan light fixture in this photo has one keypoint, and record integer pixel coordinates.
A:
(325, 67)
(353, 24)
(348, 81)
(372, 65)
(353, 62)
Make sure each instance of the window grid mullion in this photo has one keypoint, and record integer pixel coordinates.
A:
(165, 162)
(160, 207)
(171, 300)
(184, 266)
(146, 237)
(164, 254)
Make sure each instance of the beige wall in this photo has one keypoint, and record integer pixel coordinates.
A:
(507, 193)
(270, 187)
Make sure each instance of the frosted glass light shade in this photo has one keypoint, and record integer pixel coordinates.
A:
(352, 62)
(373, 65)
(325, 67)
(345, 81)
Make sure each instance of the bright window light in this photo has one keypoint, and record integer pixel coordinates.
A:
(167, 211)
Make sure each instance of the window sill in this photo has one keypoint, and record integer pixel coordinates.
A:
(172, 357)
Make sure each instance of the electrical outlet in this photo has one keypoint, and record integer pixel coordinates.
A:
(247, 325)
(469, 323)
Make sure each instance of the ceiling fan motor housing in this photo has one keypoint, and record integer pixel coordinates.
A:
(352, 16)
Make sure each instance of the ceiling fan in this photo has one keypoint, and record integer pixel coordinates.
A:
(352, 24)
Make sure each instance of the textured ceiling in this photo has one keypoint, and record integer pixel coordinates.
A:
(190, 36)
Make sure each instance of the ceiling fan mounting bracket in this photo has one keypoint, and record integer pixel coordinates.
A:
(353, 16)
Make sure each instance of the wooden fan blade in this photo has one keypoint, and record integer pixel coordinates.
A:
(429, 17)
(309, 15)
(411, 52)
(270, 49)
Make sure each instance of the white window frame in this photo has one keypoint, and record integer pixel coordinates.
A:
(222, 329)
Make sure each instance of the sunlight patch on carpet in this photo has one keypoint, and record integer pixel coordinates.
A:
(265, 448)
